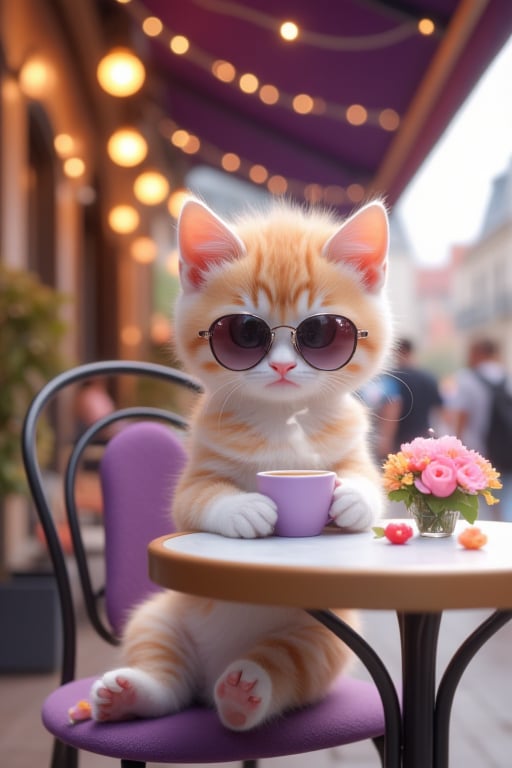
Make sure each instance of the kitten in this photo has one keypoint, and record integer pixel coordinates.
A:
(275, 411)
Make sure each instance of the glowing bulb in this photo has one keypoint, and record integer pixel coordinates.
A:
(192, 145)
(426, 27)
(179, 45)
(36, 78)
(269, 94)
(389, 120)
(123, 219)
(144, 250)
(289, 30)
(121, 73)
(249, 83)
(303, 104)
(151, 187)
(63, 144)
(131, 335)
(258, 174)
(355, 193)
(152, 26)
(224, 71)
(277, 185)
(357, 115)
(74, 167)
(127, 147)
(180, 138)
(230, 162)
(176, 200)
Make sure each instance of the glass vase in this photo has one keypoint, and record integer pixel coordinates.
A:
(433, 524)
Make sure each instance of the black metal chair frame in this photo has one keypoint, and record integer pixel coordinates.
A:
(63, 755)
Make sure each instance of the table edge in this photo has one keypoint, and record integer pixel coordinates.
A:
(334, 588)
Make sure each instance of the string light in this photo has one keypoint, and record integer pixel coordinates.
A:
(289, 30)
(36, 77)
(374, 41)
(151, 188)
(143, 250)
(121, 73)
(131, 335)
(426, 27)
(152, 26)
(63, 144)
(127, 147)
(74, 167)
(123, 219)
(176, 200)
(276, 184)
(179, 45)
(225, 71)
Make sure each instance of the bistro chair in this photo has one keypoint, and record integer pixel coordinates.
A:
(139, 468)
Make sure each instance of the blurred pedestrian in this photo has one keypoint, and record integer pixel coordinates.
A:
(419, 397)
(471, 407)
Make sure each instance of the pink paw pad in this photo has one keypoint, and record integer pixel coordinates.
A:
(238, 701)
(116, 704)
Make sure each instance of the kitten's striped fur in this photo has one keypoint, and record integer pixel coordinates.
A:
(282, 265)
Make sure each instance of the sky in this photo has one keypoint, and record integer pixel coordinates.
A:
(445, 202)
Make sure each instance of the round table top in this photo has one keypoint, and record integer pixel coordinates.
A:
(340, 570)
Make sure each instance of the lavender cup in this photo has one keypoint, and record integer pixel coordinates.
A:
(303, 498)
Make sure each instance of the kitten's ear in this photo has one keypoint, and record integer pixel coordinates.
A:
(204, 241)
(362, 241)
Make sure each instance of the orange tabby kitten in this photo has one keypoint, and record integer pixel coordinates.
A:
(282, 316)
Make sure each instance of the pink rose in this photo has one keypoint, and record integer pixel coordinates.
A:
(440, 477)
(471, 477)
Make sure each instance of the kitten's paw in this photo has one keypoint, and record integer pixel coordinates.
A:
(126, 693)
(354, 506)
(242, 515)
(242, 695)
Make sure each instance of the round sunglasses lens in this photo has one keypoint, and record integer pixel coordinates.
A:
(327, 342)
(239, 342)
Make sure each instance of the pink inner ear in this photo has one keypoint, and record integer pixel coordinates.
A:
(204, 241)
(362, 242)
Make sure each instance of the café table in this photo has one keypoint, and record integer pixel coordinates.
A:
(418, 580)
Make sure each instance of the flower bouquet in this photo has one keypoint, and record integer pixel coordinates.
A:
(438, 479)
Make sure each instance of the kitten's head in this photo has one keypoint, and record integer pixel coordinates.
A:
(282, 266)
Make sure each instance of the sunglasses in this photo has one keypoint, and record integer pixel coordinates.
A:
(325, 342)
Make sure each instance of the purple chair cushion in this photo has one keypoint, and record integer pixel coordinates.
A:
(351, 712)
(139, 470)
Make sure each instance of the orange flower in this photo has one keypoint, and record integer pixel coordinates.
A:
(472, 538)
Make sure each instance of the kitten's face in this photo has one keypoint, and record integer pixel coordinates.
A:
(282, 268)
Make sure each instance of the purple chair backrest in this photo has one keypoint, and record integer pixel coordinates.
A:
(139, 470)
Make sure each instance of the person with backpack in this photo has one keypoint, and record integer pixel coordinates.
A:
(482, 413)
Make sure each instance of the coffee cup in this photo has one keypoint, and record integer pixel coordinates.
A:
(303, 498)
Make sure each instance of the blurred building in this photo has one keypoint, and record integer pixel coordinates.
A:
(483, 287)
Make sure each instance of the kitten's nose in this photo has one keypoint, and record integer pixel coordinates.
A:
(283, 368)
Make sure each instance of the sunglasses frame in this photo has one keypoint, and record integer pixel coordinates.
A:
(209, 334)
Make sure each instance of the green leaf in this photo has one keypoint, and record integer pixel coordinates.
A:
(404, 494)
(379, 532)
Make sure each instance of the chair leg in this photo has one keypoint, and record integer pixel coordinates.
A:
(64, 756)
(379, 746)
(250, 764)
(132, 764)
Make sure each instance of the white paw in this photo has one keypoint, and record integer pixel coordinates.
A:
(355, 505)
(243, 695)
(241, 515)
(125, 693)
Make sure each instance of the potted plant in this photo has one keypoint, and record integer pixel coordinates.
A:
(31, 332)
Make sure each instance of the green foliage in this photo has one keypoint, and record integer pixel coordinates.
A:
(30, 333)
(466, 504)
